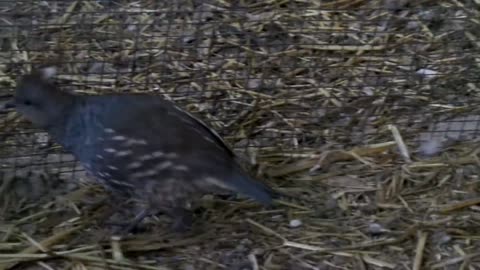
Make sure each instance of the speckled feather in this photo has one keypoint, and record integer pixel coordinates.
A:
(141, 145)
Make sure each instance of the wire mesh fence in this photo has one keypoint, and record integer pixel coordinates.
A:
(291, 75)
(280, 80)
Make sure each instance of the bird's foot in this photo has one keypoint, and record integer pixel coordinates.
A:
(130, 227)
(182, 223)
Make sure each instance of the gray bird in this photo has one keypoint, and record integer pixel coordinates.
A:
(137, 145)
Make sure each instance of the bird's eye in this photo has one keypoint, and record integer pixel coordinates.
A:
(27, 102)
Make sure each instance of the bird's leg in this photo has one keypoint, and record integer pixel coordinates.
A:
(131, 226)
(119, 206)
(182, 218)
(183, 222)
(136, 220)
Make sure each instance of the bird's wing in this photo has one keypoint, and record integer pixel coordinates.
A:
(208, 130)
(170, 143)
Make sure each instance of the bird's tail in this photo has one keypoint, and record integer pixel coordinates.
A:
(255, 189)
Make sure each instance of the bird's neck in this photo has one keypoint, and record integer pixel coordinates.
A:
(60, 127)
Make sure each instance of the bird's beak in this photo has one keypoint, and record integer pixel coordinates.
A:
(9, 105)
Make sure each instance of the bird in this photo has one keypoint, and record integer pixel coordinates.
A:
(138, 146)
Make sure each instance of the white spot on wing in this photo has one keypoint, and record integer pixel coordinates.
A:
(123, 153)
(157, 154)
(181, 168)
(171, 155)
(145, 157)
(144, 174)
(134, 165)
(109, 130)
(104, 174)
(99, 156)
(120, 183)
(164, 165)
(119, 138)
(216, 182)
(112, 168)
(110, 150)
(131, 142)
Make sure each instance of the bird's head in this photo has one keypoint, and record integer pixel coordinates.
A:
(37, 98)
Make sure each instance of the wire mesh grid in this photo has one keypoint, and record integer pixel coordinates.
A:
(281, 79)
(293, 76)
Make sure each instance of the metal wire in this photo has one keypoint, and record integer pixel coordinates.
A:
(296, 75)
